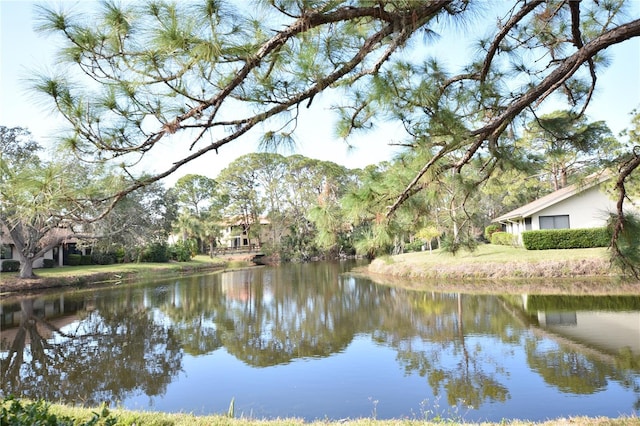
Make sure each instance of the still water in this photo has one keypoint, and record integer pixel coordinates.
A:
(309, 341)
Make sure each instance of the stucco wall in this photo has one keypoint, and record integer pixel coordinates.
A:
(588, 209)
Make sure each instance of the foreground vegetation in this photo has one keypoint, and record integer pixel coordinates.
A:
(18, 413)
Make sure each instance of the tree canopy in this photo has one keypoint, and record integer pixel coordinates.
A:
(202, 75)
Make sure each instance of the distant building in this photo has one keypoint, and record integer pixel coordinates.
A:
(235, 234)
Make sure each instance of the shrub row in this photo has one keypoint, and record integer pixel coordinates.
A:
(10, 265)
(503, 239)
(565, 238)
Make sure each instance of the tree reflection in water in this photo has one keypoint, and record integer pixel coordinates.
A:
(110, 351)
(133, 339)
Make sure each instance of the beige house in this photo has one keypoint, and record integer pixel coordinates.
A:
(235, 235)
(585, 205)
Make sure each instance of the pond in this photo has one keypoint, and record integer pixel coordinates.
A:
(308, 341)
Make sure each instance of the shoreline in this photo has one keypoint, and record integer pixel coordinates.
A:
(468, 274)
(11, 285)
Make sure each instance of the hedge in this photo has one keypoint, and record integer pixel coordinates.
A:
(10, 265)
(548, 239)
(504, 239)
(490, 230)
(48, 263)
(74, 259)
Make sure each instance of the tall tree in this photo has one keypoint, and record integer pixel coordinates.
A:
(240, 185)
(570, 146)
(140, 218)
(625, 225)
(40, 201)
(209, 73)
(195, 192)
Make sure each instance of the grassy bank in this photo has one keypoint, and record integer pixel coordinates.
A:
(32, 413)
(84, 275)
(493, 268)
(493, 261)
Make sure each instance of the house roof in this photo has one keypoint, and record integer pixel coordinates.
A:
(555, 197)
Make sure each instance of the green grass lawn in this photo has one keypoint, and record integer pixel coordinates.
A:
(496, 262)
(501, 254)
(29, 414)
(196, 262)
(83, 274)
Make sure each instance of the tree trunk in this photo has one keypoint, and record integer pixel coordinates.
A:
(26, 267)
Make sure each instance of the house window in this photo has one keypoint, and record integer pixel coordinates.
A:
(554, 222)
(6, 251)
(527, 224)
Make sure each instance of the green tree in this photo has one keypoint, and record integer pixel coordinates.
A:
(195, 192)
(187, 225)
(209, 74)
(42, 203)
(624, 225)
(327, 217)
(428, 234)
(239, 183)
(568, 146)
(196, 195)
(202, 68)
(140, 218)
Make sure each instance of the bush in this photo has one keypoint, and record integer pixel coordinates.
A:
(48, 263)
(182, 251)
(13, 412)
(121, 255)
(103, 258)
(74, 259)
(85, 260)
(503, 239)
(490, 230)
(549, 239)
(414, 246)
(10, 266)
(155, 252)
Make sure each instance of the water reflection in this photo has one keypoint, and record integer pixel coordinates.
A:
(85, 349)
(310, 329)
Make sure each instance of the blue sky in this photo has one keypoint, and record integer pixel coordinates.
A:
(23, 50)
